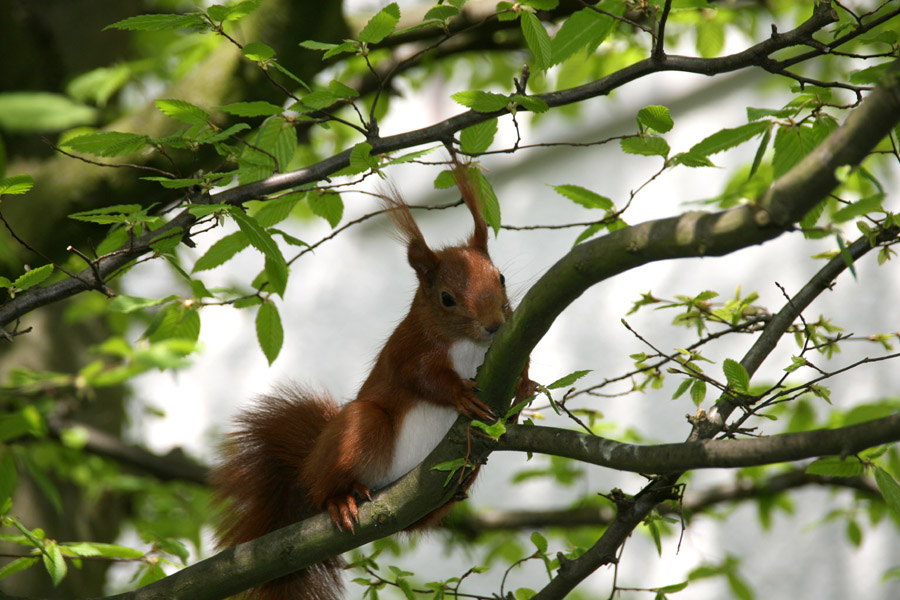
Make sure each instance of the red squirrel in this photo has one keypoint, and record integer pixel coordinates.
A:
(296, 452)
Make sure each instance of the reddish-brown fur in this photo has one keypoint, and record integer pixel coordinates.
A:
(296, 453)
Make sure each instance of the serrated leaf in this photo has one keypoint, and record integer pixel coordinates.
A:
(341, 90)
(17, 565)
(478, 138)
(728, 138)
(486, 102)
(441, 12)
(361, 159)
(567, 380)
(381, 25)
(269, 331)
(17, 184)
(585, 28)
(329, 206)
(860, 207)
(791, 145)
(444, 180)
(183, 111)
(698, 391)
(710, 38)
(258, 52)
(656, 117)
(537, 38)
(258, 108)
(889, 489)
(737, 375)
(127, 304)
(277, 274)
(277, 210)
(160, 22)
(490, 205)
(835, 466)
(649, 145)
(107, 143)
(258, 236)
(532, 103)
(222, 251)
(101, 549)
(33, 277)
(54, 562)
(583, 196)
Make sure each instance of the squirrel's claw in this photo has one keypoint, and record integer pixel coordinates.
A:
(471, 406)
(344, 511)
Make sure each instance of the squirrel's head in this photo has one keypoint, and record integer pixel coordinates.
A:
(460, 289)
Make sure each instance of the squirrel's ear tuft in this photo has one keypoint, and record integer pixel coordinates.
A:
(463, 177)
(421, 258)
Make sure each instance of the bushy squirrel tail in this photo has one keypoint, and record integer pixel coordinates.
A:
(258, 486)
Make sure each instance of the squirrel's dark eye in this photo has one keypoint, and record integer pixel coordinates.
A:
(447, 300)
(502, 280)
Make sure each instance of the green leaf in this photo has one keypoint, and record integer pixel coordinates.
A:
(835, 466)
(341, 90)
(737, 375)
(277, 274)
(698, 391)
(728, 138)
(532, 103)
(585, 28)
(183, 111)
(540, 542)
(54, 562)
(649, 145)
(656, 117)
(889, 489)
(441, 13)
(537, 38)
(490, 206)
(174, 184)
(222, 251)
(381, 25)
(159, 22)
(107, 143)
(277, 210)
(269, 331)
(444, 180)
(17, 565)
(760, 152)
(541, 4)
(258, 236)
(567, 380)
(710, 38)
(791, 145)
(361, 159)
(584, 197)
(327, 205)
(258, 52)
(258, 108)
(478, 138)
(859, 208)
(33, 277)
(493, 430)
(127, 304)
(101, 549)
(23, 112)
(17, 184)
(486, 102)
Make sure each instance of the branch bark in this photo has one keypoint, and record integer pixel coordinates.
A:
(705, 454)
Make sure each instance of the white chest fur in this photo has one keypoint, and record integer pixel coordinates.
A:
(426, 424)
(467, 356)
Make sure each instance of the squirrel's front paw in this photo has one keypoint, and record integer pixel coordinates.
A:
(344, 510)
(469, 405)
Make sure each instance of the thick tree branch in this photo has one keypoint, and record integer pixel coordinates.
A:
(705, 454)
